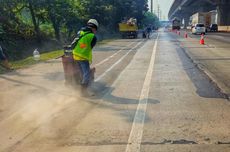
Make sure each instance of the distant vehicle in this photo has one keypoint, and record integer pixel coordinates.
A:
(198, 29)
(214, 28)
(206, 18)
(201, 18)
(189, 27)
(129, 29)
(176, 24)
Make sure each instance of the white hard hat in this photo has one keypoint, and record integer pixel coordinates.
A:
(94, 22)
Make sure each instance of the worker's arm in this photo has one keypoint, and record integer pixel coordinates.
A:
(94, 41)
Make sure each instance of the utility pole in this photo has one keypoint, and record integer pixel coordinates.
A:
(155, 6)
(151, 6)
(160, 15)
(158, 11)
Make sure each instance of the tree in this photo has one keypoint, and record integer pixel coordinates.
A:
(150, 19)
(67, 15)
(130, 8)
(32, 5)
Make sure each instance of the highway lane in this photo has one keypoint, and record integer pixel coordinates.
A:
(215, 38)
(32, 97)
(152, 98)
(213, 57)
(189, 113)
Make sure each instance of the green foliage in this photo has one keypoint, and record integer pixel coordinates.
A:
(151, 19)
(47, 30)
(26, 17)
(30, 60)
(22, 20)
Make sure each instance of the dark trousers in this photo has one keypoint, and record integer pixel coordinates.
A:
(2, 55)
(85, 71)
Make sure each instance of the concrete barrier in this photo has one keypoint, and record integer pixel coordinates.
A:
(224, 28)
(220, 29)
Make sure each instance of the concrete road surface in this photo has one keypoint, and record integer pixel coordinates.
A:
(149, 97)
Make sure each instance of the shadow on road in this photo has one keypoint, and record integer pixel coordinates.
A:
(202, 83)
(23, 83)
(214, 59)
(102, 91)
(54, 76)
(104, 94)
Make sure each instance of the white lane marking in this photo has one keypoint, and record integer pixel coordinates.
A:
(135, 137)
(109, 69)
(113, 55)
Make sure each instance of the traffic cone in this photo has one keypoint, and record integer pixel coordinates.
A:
(186, 35)
(202, 39)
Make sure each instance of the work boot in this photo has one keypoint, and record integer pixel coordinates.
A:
(85, 92)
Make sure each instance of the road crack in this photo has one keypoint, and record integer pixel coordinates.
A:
(166, 141)
(223, 143)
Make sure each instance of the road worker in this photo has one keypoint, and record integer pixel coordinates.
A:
(4, 60)
(82, 51)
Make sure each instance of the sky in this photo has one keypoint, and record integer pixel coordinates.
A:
(164, 7)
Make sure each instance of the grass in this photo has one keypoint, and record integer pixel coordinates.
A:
(44, 57)
(30, 60)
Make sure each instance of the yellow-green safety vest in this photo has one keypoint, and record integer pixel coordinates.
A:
(83, 48)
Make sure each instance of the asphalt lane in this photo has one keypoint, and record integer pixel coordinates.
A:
(212, 58)
(214, 38)
(149, 97)
(189, 113)
(39, 112)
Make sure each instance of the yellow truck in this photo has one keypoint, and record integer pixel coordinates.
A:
(128, 29)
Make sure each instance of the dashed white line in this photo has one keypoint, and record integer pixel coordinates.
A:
(109, 69)
(113, 55)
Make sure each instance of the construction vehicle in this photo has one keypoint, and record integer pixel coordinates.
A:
(176, 24)
(206, 18)
(201, 18)
(214, 17)
(129, 29)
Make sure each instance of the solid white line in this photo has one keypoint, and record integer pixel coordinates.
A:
(135, 137)
(109, 69)
(113, 55)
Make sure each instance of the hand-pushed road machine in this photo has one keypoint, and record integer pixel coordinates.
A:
(72, 72)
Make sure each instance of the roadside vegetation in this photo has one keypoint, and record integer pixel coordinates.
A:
(48, 24)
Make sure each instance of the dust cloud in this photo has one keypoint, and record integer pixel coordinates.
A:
(30, 103)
